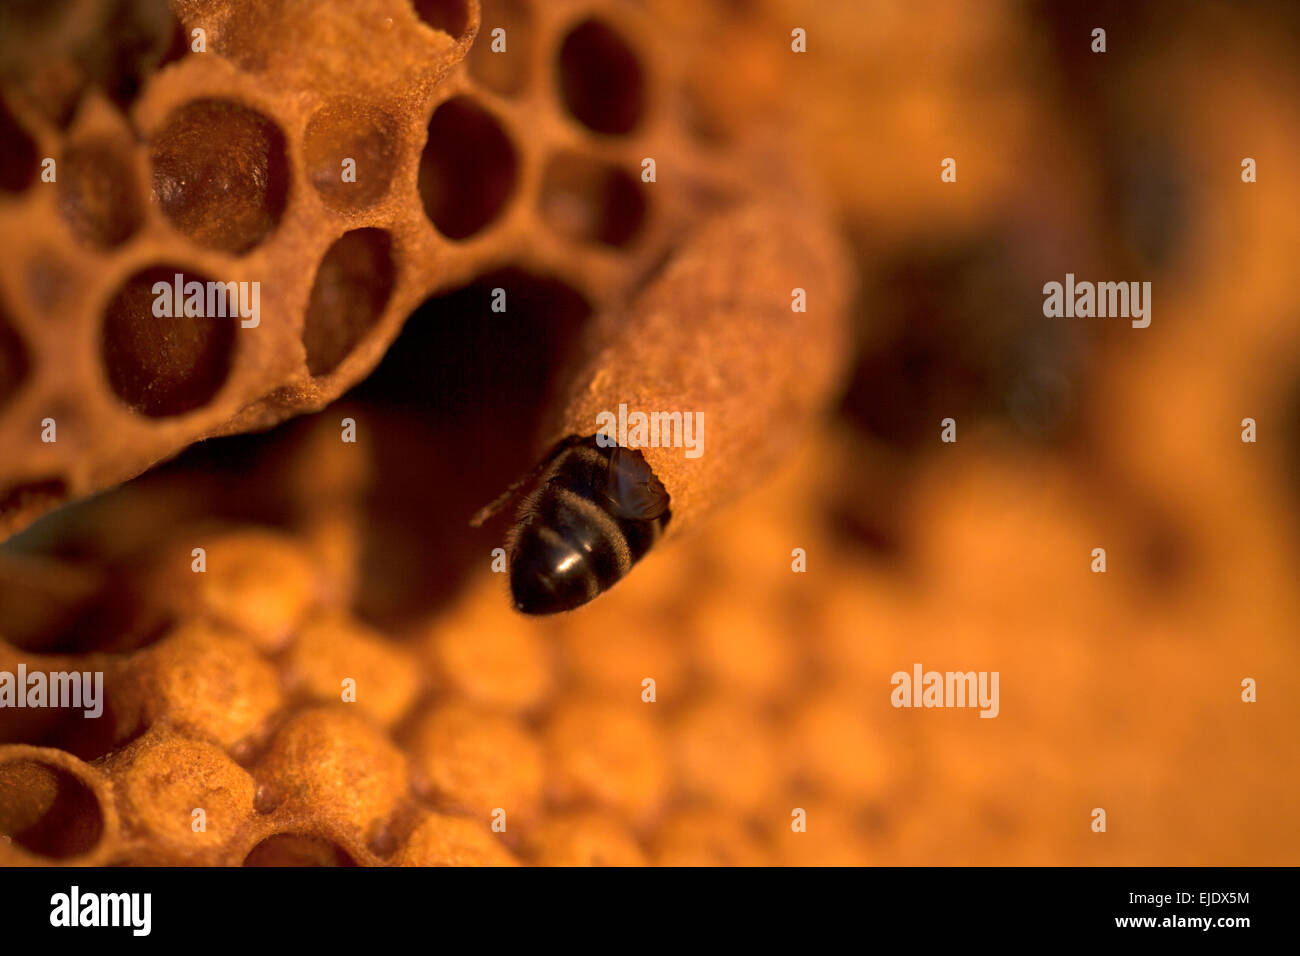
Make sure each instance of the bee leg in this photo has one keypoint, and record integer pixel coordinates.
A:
(487, 511)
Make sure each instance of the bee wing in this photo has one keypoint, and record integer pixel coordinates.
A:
(633, 488)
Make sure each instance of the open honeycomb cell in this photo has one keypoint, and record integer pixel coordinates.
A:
(164, 367)
(587, 200)
(351, 130)
(601, 79)
(140, 36)
(469, 169)
(450, 16)
(46, 809)
(98, 193)
(506, 73)
(220, 174)
(54, 57)
(352, 288)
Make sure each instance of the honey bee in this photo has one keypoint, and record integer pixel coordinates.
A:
(595, 512)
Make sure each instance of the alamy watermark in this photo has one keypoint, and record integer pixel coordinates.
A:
(651, 430)
(71, 689)
(75, 908)
(213, 300)
(946, 689)
(1126, 300)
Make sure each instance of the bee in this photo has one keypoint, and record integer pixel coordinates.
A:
(595, 512)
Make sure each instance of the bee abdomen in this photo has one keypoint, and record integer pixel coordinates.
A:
(570, 545)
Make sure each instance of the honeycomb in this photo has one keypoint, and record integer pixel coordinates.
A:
(228, 165)
(475, 714)
(345, 683)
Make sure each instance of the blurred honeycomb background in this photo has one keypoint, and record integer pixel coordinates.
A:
(329, 561)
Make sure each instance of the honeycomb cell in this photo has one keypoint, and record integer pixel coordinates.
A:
(99, 196)
(468, 169)
(162, 366)
(584, 839)
(249, 34)
(163, 778)
(18, 159)
(335, 765)
(14, 364)
(350, 130)
(351, 291)
(835, 747)
(449, 16)
(54, 91)
(332, 647)
(726, 752)
(591, 201)
(295, 849)
(57, 55)
(832, 837)
(46, 810)
(611, 652)
(453, 841)
(746, 650)
(206, 682)
(507, 71)
(258, 581)
(601, 79)
(715, 836)
(475, 761)
(220, 174)
(609, 754)
(499, 663)
(138, 35)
